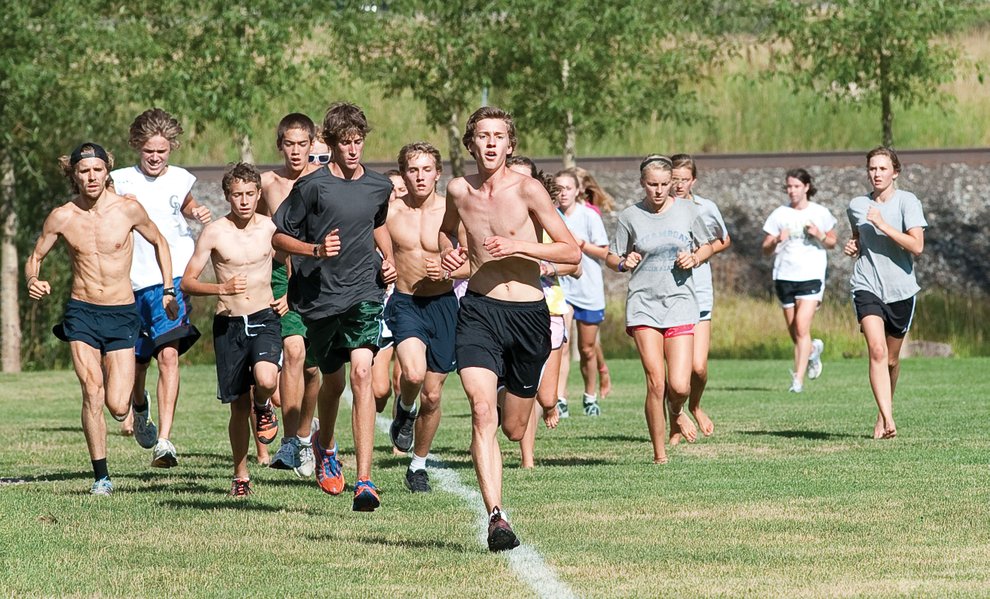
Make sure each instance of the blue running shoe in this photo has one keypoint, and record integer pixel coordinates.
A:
(365, 496)
(102, 487)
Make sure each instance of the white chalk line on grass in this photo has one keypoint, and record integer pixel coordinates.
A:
(525, 561)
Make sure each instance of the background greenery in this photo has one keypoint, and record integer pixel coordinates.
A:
(712, 79)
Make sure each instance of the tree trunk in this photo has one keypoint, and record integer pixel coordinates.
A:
(886, 113)
(456, 153)
(570, 142)
(570, 135)
(246, 154)
(10, 317)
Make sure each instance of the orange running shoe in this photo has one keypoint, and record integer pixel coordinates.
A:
(266, 423)
(328, 473)
(365, 496)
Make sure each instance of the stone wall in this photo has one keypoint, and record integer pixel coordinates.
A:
(954, 197)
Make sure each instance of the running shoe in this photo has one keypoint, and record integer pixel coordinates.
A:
(287, 456)
(328, 473)
(500, 535)
(240, 487)
(266, 423)
(418, 481)
(365, 496)
(591, 408)
(102, 487)
(145, 431)
(163, 455)
(815, 361)
(796, 386)
(307, 462)
(562, 409)
(401, 430)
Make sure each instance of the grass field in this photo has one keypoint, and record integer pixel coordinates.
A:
(790, 497)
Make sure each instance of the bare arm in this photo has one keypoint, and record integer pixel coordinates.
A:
(913, 240)
(192, 209)
(599, 252)
(290, 245)
(563, 250)
(770, 242)
(720, 245)
(46, 241)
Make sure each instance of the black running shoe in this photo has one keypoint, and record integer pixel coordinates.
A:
(418, 481)
(500, 535)
(401, 430)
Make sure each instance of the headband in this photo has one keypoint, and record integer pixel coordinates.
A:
(655, 158)
(95, 151)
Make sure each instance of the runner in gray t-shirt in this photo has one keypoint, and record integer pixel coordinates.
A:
(888, 229)
(660, 241)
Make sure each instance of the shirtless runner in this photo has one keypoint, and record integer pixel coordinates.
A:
(247, 334)
(101, 322)
(422, 313)
(503, 327)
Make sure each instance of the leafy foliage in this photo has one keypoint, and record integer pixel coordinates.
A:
(871, 51)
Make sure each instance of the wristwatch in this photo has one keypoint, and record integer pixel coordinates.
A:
(168, 291)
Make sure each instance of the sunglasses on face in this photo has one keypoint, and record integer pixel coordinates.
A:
(321, 158)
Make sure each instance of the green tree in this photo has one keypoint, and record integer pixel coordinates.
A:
(588, 67)
(443, 52)
(214, 61)
(871, 51)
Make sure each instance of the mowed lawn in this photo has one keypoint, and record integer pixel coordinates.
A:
(790, 497)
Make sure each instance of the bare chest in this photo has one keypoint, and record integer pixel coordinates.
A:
(413, 230)
(502, 214)
(251, 247)
(91, 234)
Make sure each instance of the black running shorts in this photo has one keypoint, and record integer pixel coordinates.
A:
(897, 316)
(106, 328)
(512, 339)
(240, 342)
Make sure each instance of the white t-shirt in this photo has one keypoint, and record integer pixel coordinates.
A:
(162, 198)
(588, 291)
(800, 257)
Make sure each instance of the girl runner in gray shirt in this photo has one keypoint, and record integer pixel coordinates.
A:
(659, 241)
(888, 228)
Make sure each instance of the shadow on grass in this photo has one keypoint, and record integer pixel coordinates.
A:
(799, 434)
(573, 462)
(767, 388)
(60, 429)
(47, 478)
(619, 438)
(224, 502)
(377, 540)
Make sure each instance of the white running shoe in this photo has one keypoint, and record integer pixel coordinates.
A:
(815, 361)
(307, 462)
(287, 456)
(102, 487)
(796, 386)
(164, 456)
(562, 410)
(145, 431)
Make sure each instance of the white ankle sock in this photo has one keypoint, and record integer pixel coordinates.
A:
(417, 463)
(304, 441)
(590, 398)
(407, 407)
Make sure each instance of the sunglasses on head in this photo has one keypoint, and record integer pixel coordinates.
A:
(321, 158)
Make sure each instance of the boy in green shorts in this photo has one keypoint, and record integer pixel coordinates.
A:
(331, 223)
